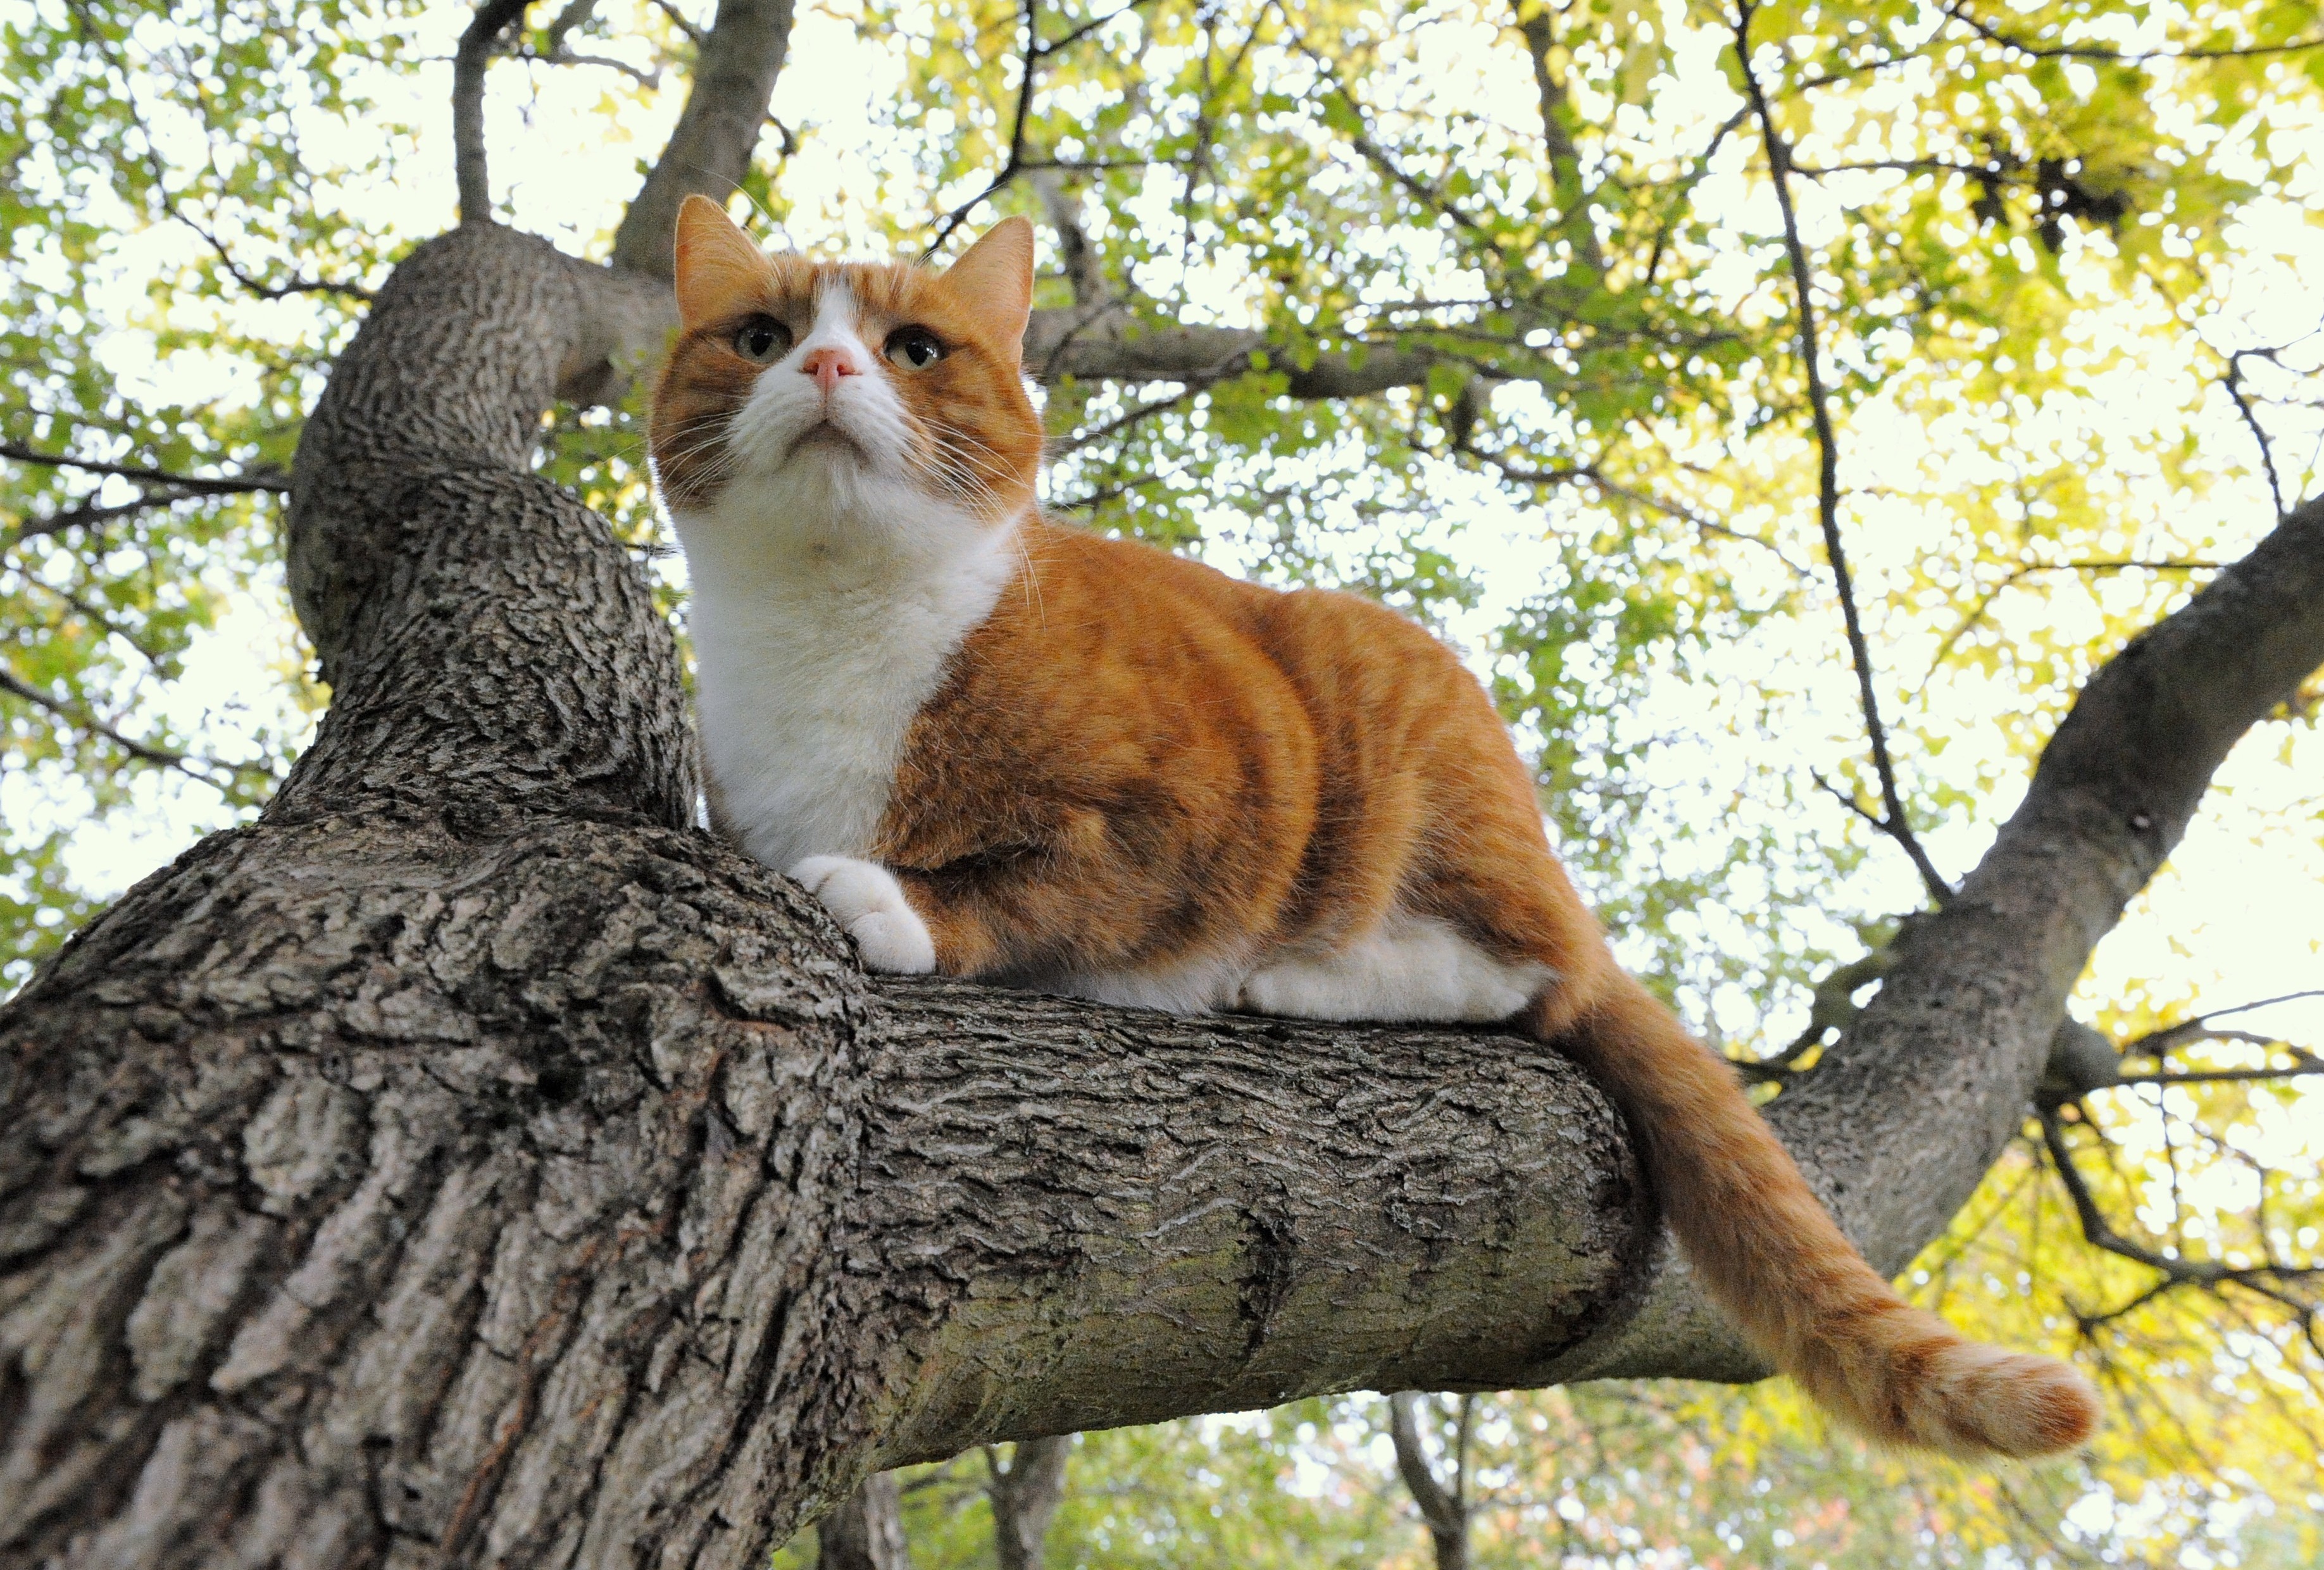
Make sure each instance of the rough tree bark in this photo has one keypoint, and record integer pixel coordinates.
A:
(471, 1162)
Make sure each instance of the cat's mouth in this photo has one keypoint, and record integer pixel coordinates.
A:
(827, 436)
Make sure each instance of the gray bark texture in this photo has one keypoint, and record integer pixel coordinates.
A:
(474, 1163)
(865, 1531)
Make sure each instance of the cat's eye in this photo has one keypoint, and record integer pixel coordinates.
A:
(914, 348)
(761, 339)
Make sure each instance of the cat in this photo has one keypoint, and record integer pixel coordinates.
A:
(997, 747)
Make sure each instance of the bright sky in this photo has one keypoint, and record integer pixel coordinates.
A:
(2244, 897)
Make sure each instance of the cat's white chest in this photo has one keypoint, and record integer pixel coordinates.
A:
(809, 670)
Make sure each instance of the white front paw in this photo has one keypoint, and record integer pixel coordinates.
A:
(864, 898)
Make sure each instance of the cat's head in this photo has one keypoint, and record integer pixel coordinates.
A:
(877, 393)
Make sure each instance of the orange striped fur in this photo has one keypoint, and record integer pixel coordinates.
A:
(999, 747)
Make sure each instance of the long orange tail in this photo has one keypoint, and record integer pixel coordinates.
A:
(1773, 1258)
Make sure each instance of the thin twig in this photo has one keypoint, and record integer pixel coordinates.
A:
(1060, 44)
(1938, 889)
(1127, 418)
(89, 514)
(2157, 1042)
(1379, 157)
(1593, 476)
(695, 34)
(2305, 1064)
(1014, 162)
(266, 479)
(563, 57)
(1017, 162)
(1684, 188)
(2234, 385)
(1993, 34)
(1106, 494)
(194, 767)
(2125, 564)
(2099, 1234)
(159, 172)
(1894, 823)
(234, 269)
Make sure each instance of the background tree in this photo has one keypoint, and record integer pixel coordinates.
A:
(331, 1217)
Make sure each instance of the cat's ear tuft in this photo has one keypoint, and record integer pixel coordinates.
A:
(717, 263)
(993, 281)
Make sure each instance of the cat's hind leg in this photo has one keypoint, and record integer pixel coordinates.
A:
(1411, 968)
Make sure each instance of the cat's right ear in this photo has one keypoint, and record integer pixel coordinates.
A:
(717, 263)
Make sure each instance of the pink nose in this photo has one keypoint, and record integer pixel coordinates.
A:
(827, 365)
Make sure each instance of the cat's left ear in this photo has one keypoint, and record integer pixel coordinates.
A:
(993, 282)
(717, 263)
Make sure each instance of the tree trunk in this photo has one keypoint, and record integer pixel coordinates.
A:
(866, 1531)
(473, 1162)
(1025, 1494)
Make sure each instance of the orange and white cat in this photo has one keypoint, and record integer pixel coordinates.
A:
(998, 747)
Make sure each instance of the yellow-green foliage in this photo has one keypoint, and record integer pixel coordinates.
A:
(2053, 242)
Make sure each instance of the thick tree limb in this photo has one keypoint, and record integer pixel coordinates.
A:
(733, 80)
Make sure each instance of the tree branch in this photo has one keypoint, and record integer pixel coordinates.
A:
(1536, 26)
(678, 19)
(2234, 384)
(478, 44)
(1894, 821)
(233, 270)
(1025, 1492)
(1029, 64)
(1082, 268)
(866, 1532)
(709, 153)
(1595, 476)
(2100, 1233)
(565, 24)
(264, 479)
(1963, 1026)
(2028, 570)
(90, 511)
(1114, 344)
(1960, 12)
(2156, 1043)
(1438, 1507)
(205, 770)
